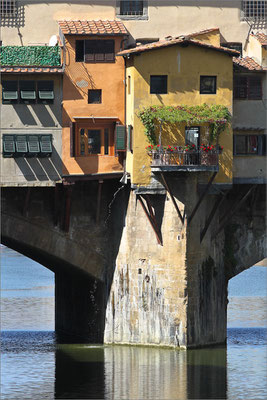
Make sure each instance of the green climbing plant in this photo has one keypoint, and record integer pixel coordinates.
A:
(30, 56)
(217, 116)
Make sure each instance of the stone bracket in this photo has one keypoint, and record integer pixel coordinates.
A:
(201, 198)
(150, 216)
(167, 187)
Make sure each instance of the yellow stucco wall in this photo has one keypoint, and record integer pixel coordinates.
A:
(184, 66)
(209, 38)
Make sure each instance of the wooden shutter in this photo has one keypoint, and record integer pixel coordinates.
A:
(254, 88)
(130, 138)
(100, 51)
(120, 138)
(109, 50)
(72, 138)
(90, 49)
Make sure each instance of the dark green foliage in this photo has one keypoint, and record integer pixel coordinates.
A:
(30, 56)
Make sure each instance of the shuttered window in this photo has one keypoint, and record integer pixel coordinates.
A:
(27, 145)
(95, 51)
(120, 138)
(247, 87)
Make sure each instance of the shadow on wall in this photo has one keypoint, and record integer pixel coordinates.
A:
(41, 169)
(38, 114)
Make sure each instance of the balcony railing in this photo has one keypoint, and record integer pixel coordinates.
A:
(185, 160)
(34, 56)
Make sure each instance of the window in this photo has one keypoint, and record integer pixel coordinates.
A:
(98, 140)
(247, 87)
(27, 145)
(95, 51)
(94, 96)
(8, 7)
(255, 10)
(249, 144)
(45, 92)
(233, 45)
(158, 84)
(132, 9)
(208, 85)
(9, 92)
(27, 92)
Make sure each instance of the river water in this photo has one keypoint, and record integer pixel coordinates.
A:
(34, 366)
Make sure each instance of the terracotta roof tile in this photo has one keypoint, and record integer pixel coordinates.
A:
(173, 41)
(31, 70)
(248, 63)
(92, 27)
(262, 38)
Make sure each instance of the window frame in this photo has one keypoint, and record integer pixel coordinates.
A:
(261, 145)
(250, 10)
(8, 8)
(102, 127)
(165, 90)
(237, 88)
(91, 91)
(144, 15)
(82, 45)
(201, 78)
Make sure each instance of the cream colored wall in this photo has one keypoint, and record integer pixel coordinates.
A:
(253, 49)
(183, 67)
(38, 19)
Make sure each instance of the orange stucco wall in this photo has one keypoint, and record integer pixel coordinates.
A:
(79, 77)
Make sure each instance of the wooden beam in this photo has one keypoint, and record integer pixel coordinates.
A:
(152, 214)
(26, 202)
(233, 209)
(159, 240)
(98, 207)
(67, 198)
(201, 198)
(210, 217)
(172, 197)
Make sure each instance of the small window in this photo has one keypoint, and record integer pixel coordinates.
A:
(255, 10)
(27, 91)
(208, 85)
(9, 92)
(131, 7)
(249, 144)
(158, 84)
(233, 45)
(8, 8)
(45, 91)
(94, 141)
(94, 96)
(247, 88)
(95, 51)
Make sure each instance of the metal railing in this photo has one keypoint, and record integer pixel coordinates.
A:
(184, 158)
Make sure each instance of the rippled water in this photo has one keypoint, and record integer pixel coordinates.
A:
(35, 366)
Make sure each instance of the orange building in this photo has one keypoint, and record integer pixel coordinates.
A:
(93, 114)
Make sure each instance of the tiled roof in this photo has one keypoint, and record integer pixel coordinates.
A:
(248, 63)
(92, 28)
(203, 32)
(31, 70)
(173, 41)
(262, 38)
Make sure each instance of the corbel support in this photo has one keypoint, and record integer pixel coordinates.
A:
(151, 217)
(167, 187)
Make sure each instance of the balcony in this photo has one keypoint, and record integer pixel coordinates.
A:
(34, 56)
(178, 159)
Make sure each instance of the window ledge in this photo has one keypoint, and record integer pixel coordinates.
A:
(132, 17)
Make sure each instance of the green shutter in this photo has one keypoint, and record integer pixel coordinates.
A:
(129, 138)
(21, 145)
(46, 145)
(120, 138)
(8, 145)
(33, 144)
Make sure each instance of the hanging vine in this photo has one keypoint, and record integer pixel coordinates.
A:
(217, 116)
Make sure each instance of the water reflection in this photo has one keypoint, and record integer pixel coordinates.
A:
(122, 372)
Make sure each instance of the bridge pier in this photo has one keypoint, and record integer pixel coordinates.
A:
(79, 308)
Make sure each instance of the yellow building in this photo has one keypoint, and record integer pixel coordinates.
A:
(194, 72)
